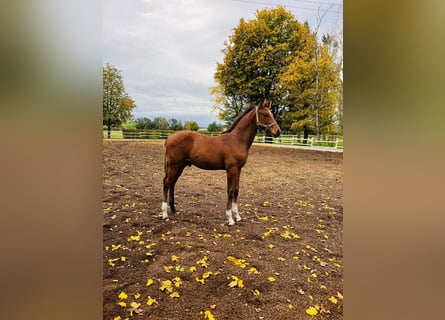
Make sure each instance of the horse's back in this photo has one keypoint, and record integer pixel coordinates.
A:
(180, 144)
(194, 148)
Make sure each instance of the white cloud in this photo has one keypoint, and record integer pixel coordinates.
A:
(167, 50)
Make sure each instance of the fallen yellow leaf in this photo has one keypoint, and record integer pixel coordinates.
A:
(236, 282)
(333, 300)
(202, 281)
(311, 311)
(166, 286)
(122, 304)
(271, 279)
(168, 268)
(208, 315)
(149, 282)
(113, 247)
(238, 262)
(177, 282)
(111, 261)
(150, 301)
(202, 262)
(122, 295)
(253, 270)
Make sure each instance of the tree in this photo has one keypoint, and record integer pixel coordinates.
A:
(277, 57)
(254, 57)
(160, 123)
(191, 125)
(214, 127)
(174, 124)
(310, 103)
(117, 104)
(143, 123)
(334, 41)
(310, 87)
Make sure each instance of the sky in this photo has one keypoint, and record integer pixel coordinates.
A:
(167, 50)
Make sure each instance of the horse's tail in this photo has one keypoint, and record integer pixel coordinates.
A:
(165, 156)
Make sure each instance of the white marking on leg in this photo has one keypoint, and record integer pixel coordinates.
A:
(235, 211)
(164, 210)
(229, 216)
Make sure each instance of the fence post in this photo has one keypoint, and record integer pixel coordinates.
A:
(336, 143)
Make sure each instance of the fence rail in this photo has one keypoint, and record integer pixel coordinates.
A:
(328, 142)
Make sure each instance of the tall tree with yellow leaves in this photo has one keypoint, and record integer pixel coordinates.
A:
(254, 58)
(276, 57)
(310, 90)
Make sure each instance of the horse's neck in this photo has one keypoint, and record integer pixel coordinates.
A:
(246, 129)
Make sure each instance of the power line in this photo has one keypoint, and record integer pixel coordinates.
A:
(274, 4)
(318, 2)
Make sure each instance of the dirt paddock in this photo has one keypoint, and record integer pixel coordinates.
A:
(283, 260)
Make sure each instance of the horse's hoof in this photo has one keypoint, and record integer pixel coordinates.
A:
(231, 222)
(238, 218)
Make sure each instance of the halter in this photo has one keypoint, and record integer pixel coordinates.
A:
(262, 125)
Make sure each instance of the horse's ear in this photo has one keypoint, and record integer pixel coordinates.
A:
(260, 104)
(266, 103)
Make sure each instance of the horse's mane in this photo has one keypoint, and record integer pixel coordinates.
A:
(250, 107)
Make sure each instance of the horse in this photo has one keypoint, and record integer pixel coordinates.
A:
(227, 151)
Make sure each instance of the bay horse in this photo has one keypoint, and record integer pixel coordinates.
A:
(227, 151)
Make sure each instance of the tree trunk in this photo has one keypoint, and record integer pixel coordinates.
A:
(305, 135)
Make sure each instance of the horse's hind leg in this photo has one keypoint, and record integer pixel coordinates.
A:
(165, 196)
(173, 172)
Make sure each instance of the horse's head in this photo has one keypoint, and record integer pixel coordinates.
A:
(265, 118)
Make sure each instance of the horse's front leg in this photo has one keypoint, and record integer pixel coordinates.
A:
(232, 194)
(235, 198)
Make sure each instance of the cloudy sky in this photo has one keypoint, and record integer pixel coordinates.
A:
(167, 50)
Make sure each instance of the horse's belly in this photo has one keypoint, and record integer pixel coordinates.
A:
(208, 164)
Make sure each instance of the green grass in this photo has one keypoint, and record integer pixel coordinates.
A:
(115, 134)
(129, 124)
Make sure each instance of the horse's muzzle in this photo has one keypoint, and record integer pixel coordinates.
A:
(275, 131)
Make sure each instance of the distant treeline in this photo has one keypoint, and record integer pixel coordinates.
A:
(161, 123)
